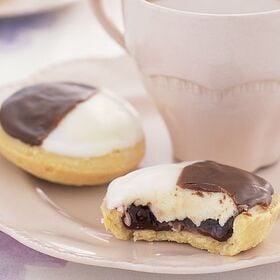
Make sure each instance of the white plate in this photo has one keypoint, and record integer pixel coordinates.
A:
(65, 222)
(15, 8)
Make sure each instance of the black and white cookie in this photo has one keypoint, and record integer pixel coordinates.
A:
(211, 206)
(70, 133)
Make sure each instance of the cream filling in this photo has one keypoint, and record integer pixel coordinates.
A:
(156, 187)
(96, 127)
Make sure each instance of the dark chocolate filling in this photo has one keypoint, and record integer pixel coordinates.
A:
(33, 112)
(142, 218)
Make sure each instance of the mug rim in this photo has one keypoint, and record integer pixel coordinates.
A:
(168, 9)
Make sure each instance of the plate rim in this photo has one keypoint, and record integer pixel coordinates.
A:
(10, 13)
(26, 239)
(37, 245)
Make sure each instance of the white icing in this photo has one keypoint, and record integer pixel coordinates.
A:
(156, 187)
(96, 127)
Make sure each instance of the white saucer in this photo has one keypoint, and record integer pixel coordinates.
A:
(16, 8)
(65, 222)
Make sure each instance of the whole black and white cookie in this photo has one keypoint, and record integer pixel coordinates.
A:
(70, 133)
(211, 206)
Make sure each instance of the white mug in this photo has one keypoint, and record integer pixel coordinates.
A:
(214, 77)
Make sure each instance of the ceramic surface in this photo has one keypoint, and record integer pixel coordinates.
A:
(65, 222)
(16, 8)
(214, 77)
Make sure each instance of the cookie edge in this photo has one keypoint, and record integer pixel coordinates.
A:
(69, 170)
(244, 235)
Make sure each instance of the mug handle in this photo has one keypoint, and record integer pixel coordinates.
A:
(108, 25)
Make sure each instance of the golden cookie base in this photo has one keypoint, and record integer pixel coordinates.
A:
(248, 231)
(68, 170)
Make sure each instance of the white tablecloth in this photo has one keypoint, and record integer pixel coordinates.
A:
(27, 45)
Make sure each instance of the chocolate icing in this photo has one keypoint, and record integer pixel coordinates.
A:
(246, 189)
(33, 112)
(142, 218)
